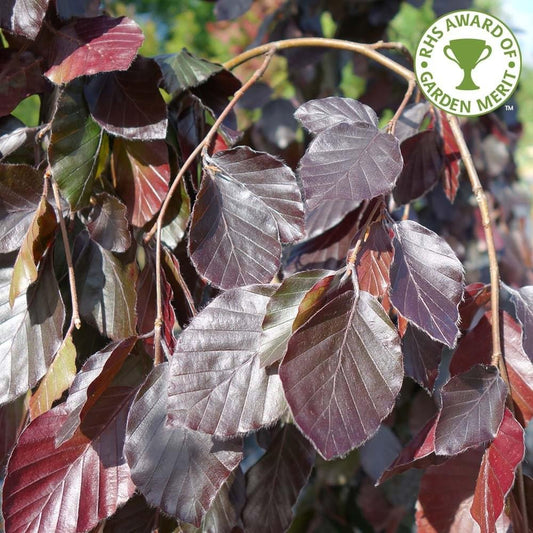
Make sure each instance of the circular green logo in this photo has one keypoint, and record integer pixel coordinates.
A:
(468, 63)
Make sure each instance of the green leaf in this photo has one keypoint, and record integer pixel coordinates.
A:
(36, 241)
(74, 147)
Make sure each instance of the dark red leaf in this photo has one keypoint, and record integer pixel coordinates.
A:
(342, 373)
(418, 453)
(472, 410)
(476, 295)
(421, 356)
(446, 495)
(106, 288)
(20, 72)
(281, 311)
(147, 303)
(36, 321)
(142, 173)
(23, 17)
(74, 147)
(74, 486)
(450, 177)
(128, 104)
(497, 473)
(136, 516)
(423, 166)
(326, 215)
(350, 162)
(38, 238)
(235, 229)
(90, 383)
(217, 385)
(319, 115)
(476, 347)
(91, 45)
(427, 281)
(274, 482)
(11, 424)
(14, 136)
(176, 469)
(374, 260)
(21, 187)
(108, 225)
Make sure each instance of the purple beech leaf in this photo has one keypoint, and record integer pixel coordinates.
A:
(14, 135)
(128, 104)
(522, 300)
(91, 45)
(342, 373)
(497, 473)
(377, 453)
(178, 470)
(421, 356)
(36, 241)
(106, 288)
(108, 225)
(270, 180)
(135, 516)
(327, 215)
(183, 70)
(411, 120)
(30, 331)
(217, 385)
(472, 410)
(90, 383)
(12, 416)
(176, 218)
(21, 188)
(423, 166)
(72, 487)
(350, 161)
(142, 173)
(427, 281)
(281, 311)
(319, 115)
(234, 237)
(74, 147)
(57, 380)
(274, 482)
(374, 260)
(23, 17)
(21, 76)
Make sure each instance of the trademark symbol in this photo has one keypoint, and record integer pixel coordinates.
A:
(509, 107)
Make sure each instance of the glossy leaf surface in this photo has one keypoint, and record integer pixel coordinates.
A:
(92, 45)
(178, 470)
(74, 147)
(345, 350)
(92, 458)
(427, 281)
(217, 385)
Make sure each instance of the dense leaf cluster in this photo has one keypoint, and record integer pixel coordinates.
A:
(296, 298)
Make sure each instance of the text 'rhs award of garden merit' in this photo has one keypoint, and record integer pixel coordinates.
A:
(468, 63)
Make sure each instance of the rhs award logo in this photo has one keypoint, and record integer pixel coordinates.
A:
(468, 63)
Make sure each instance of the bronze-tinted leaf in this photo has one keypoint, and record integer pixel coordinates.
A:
(91, 45)
(176, 469)
(342, 373)
(217, 385)
(426, 281)
(142, 173)
(84, 480)
(128, 104)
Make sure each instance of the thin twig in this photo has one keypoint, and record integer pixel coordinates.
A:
(71, 278)
(483, 205)
(408, 93)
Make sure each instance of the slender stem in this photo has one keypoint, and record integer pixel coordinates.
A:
(158, 357)
(71, 278)
(483, 205)
(410, 88)
(368, 50)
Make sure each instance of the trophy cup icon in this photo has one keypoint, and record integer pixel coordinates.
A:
(467, 53)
